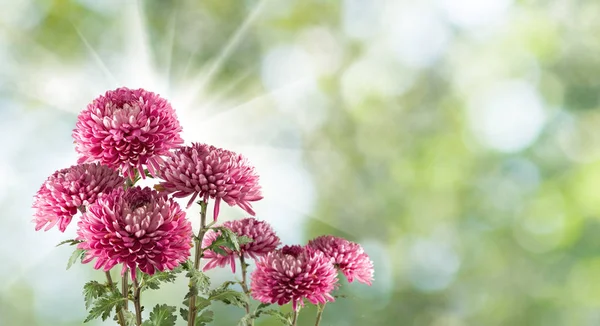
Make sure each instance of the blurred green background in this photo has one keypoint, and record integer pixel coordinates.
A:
(457, 140)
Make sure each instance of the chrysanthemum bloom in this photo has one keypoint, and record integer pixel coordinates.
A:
(293, 273)
(207, 171)
(348, 256)
(127, 129)
(68, 190)
(136, 227)
(264, 240)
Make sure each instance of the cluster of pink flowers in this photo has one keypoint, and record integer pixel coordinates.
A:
(292, 273)
(126, 133)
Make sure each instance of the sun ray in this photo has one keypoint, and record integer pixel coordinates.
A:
(138, 58)
(205, 78)
(259, 100)
(108, 74)
(170, 45)
(226, 90)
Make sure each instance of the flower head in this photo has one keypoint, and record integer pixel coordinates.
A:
(127, 129)
(348, 256)
(68, 190)
(137, 227)
(264, 240)
(293, 273)
(207, 171)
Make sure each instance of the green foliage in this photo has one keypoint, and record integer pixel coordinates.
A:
(285, 319)
(70, 242)
(202, 316)
(93, 290)
(227, 239)
(227, 296)
(199, 282)
(153, 281)
(162, 315)
(104, 305)
(76, 255)
(129, 318)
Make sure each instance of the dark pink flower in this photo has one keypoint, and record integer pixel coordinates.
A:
(348, 256)
(68, 190)
(293, 273)
(127, 129)
(207, 171)
(264, 240)
(139, 228)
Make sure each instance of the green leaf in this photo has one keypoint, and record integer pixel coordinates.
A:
(226, 238)
(202, 317)
(104, 305)
(77, 255)
(162, 315)
(244, 240)
(199, 280)
(245, 321)
(71, 242)
(153, 281)
(286, 319)
(93, 290)
(129, 318)
(205, 317)
(201, 303)
(263, 306)
(229, 297)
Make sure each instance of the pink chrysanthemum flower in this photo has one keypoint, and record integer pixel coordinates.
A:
(294, 273)
(348, 256)
(127, 129)
(136, 227)
(207, 171)
(264, 240)
(68, 190)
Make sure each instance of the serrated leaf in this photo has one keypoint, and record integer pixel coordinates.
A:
(93, 290)
(245, 321)
(205, 317)
(244, 240)
(229, 297)
(199, 280)
(184, 313)
(263, 306)
(226, 238)
(77, 254)
(104, 305)
(201, 303)
(129, 318)
(284, 318)
(153, 281)
(71, 242)
(162, 315)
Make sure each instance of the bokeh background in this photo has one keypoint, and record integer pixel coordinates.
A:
(457, 140)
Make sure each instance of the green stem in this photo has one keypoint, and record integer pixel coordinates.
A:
(320, 309)
(120, 315)
(295, 320)
(244, 285)
(125, 288)
(137, 303)
(197, 256)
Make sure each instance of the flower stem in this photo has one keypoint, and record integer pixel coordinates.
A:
(197, 256)
(320, 309)
(295, 318)
(125, 289)
(244, 285)
(120, 316)
(136, 302)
